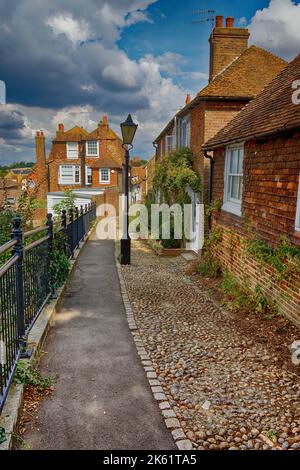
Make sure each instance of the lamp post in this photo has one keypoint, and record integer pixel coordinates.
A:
(128, 129)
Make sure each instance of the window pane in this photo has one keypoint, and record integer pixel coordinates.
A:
(77, 174)
(88, 175)
(234, 157)
(235, 191)
(104, 175)
(72, 150)
(92, 148)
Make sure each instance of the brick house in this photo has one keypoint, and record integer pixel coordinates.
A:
(88, 163)
(137, 180)
(79, 159)
(150, 173)
(237, 74)
(9, 192)
(255, 175)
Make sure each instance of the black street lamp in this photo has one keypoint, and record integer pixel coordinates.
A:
(128, 129)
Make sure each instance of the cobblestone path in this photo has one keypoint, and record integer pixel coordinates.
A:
(227, 391)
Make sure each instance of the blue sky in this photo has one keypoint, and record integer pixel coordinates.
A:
(73, 61)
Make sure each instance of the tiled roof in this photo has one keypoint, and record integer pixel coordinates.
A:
(111, 135)
(246, 76)
(105, 162)
(76, 134)
(272, 111)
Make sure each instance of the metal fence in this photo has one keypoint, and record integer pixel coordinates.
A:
(25, 281)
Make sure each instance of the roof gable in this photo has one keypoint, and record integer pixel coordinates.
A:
(244, 78)
(247, 75)
(272, 111)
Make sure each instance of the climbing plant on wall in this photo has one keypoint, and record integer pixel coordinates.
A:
(173, 174)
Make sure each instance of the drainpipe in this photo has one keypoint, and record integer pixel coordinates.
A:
(211, 178)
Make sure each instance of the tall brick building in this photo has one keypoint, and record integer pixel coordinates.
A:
(256, 161)
(237, 74)
(80, 159)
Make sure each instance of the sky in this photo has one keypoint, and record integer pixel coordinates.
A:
(73, 61)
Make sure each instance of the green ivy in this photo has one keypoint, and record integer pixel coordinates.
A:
(284, 258)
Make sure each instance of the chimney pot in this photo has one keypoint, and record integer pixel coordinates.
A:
(188, 99)
(61, 127)
(42, 134)
(37, 133)
(105, 120)
(230, 22)
(219, 21)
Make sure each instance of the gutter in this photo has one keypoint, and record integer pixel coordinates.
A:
(211, 178)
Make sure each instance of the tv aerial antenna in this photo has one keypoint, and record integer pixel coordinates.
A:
(205, 16)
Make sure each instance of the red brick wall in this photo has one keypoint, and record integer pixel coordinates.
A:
(59, 157)
(271, 178)
(286, 294)
(208, 118)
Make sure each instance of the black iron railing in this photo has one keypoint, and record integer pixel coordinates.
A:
(25, 281)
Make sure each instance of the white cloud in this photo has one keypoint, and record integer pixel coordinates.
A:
(242, 21)
(75, 30)
(137, 17)
(83, 73)
(277, 28)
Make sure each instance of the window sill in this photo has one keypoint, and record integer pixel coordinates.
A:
(232, 208)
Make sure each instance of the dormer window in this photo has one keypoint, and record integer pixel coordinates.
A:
(92, 148)
(72, 150)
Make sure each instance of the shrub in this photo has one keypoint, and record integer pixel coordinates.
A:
(59, 261)
(241, 297)
(209, 267)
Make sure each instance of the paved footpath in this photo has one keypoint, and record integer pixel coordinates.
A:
(102, 399)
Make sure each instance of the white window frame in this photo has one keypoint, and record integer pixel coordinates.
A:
(73, 175)
(71, 153)
(169, 144)
(297, 226)
(100, 175)
(186, 138)
(234, 206)
(87, 149)
(89, 170)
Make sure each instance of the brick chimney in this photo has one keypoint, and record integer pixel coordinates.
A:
(40, 171)
(60, 129)
(103, 128)
(226, 44)
(40, 150)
